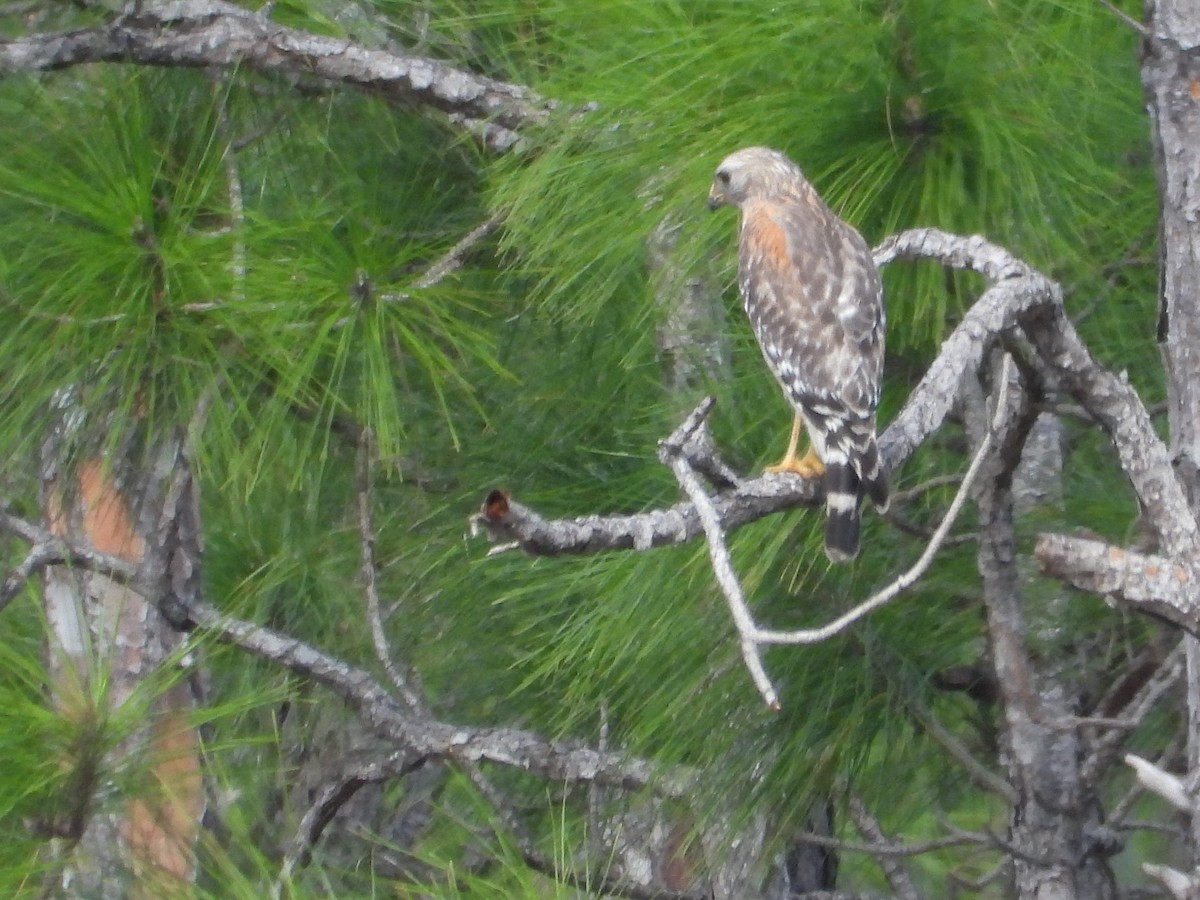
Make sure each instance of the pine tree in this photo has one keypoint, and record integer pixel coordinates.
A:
(305, 285)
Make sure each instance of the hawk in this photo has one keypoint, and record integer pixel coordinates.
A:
(815, 301)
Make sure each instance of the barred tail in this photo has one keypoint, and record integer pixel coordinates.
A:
(843, 494)
(847, 481)
(874, 478)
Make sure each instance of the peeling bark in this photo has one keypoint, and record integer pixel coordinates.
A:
(1053, 812)
(106, 636)
(1171, 81)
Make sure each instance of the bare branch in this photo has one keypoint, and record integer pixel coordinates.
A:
(672, 452)
(1126, 18)
(976, 771)
(909, 578)
(929, 484)
(1178, 884)
(563, 761)
(47, 550)
(333, 796)
(1116, 406)
(1122, 808)
(751, 636)
(453, 257)
(1150, 583)
(893, 849)
(869, 827)
(1159, 781)
(412, 695)
(216, 34)
(1104, 748)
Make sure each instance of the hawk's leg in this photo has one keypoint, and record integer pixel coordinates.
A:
(809, 466)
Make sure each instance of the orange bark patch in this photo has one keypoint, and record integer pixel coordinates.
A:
(106, 520)
(162, 825)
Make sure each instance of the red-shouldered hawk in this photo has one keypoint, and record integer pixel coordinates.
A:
(815, 301)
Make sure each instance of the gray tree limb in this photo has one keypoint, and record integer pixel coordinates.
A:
(562, 761)
(216, 34)
(1017, 290)
(1150, 583)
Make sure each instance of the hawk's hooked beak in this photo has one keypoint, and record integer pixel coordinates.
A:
(715, 198)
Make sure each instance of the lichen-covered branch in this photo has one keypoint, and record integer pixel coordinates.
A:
(215, 34)
(1150, 583)
(562, 761)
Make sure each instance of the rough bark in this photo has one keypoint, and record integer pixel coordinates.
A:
(1171, 80)
(1049, 825)
(1153, 584)
(107, 636)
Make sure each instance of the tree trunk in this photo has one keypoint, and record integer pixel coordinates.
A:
(1171, 80)
(122, 836)
(1054, 812)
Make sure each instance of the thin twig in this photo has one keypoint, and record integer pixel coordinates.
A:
(893, 849)
(38, 557)
(48, 549)
(978, 884)
(1127, 19)
(406, 685)
(925, 486)
(976, 770)
(869, 827)
(233, 189)
(332, 797)
(453, 258)
(906, 580)
(909, 527)
(673, 453)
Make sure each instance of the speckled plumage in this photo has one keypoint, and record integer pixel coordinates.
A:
(815, 301)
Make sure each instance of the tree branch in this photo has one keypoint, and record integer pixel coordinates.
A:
(674, 454)
(48, 550)
(406, 683)
(333, 796)
(1170, 787)
(1017, 290)
(563, 761)
(869, 827)
(213, 33)
(1118, 409)
(1153, 584)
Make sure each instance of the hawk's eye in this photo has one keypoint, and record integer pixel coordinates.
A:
(723, 177)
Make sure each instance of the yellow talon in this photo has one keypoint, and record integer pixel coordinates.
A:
(809, 466)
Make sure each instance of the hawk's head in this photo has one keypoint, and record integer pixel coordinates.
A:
(752, 172)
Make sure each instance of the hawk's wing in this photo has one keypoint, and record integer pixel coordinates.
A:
(816, 303)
